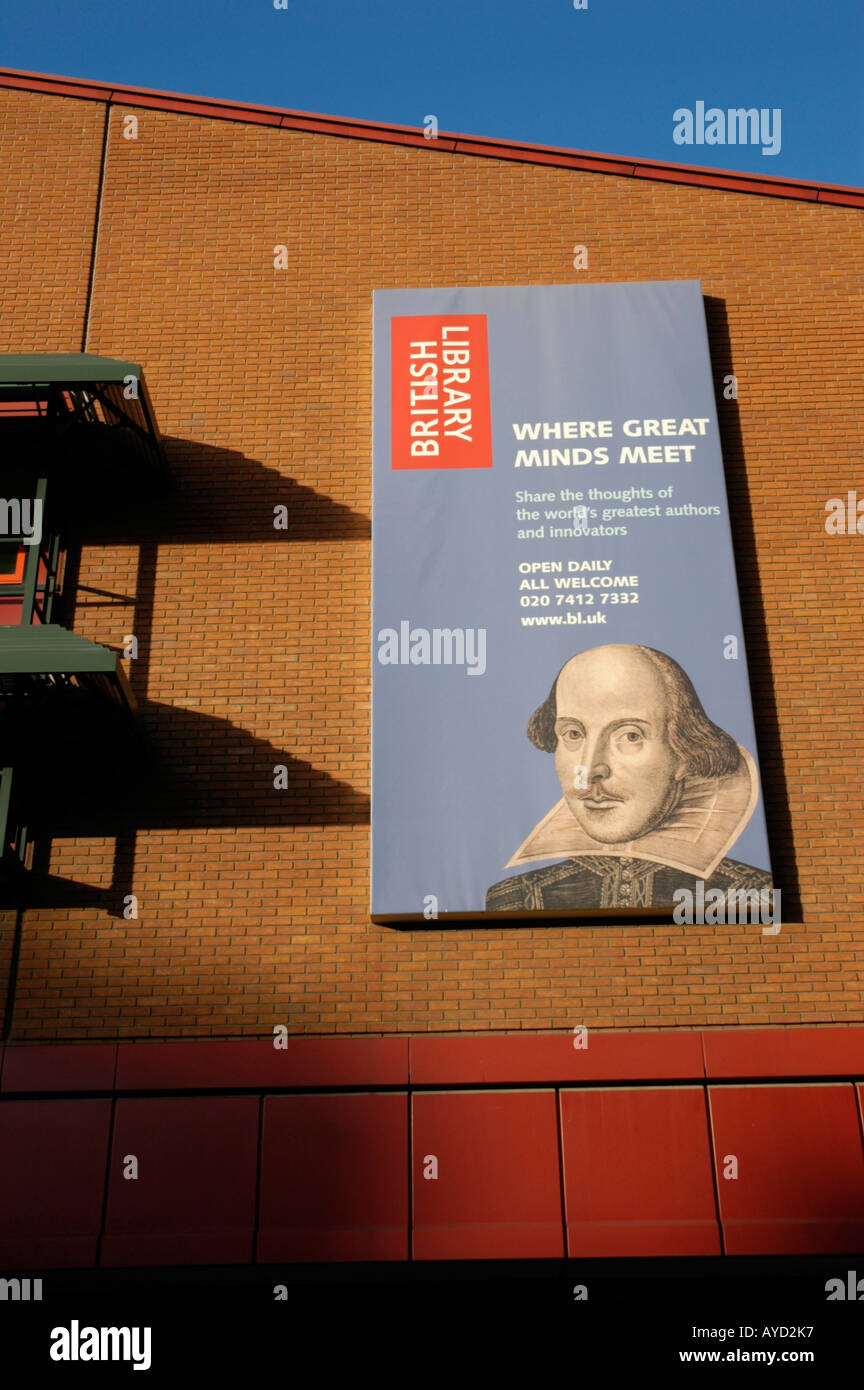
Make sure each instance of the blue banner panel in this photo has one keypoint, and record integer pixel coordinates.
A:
(561, 709)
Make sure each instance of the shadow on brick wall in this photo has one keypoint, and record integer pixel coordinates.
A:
(774, 786)
(220, 496)
(223, 496)
(180, 769)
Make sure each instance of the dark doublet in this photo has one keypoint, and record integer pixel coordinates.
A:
(595, 881)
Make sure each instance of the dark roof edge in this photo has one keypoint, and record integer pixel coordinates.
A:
(446, 141)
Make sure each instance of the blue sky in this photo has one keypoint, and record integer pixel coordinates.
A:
(607, 78)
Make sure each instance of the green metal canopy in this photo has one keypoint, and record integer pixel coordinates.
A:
(97, 405)
(68, 741)
(44, 654)
(63, 368)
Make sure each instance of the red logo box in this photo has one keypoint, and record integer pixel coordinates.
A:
(440, 415)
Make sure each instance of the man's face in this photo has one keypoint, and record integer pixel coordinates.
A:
(618, 774)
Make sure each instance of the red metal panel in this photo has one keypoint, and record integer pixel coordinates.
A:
(784, 1052)
(399, 135)
(520, 1059)
(843, 198)
(76, 1067)
(193, 1201)
(303, 1062)
(56, 86)
(186, 106)
(334, 1178)
(532, 154)
(497, 1194)
(764, 187)
(638, 1178)
(800, 1184)
(53, 1157)
(347, 125)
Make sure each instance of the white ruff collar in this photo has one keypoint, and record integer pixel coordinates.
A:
(704, 825)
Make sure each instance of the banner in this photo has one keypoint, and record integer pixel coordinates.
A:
(561, 708)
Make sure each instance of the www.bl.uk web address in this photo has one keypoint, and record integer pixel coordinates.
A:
(564, 620)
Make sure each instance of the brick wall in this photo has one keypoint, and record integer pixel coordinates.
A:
(254, 643)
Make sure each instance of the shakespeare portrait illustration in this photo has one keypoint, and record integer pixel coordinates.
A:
(654, 793)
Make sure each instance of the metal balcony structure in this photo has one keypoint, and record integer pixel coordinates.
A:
(79, 446)
(46, 398)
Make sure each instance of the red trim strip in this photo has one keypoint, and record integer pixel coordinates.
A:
(437, 1059)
